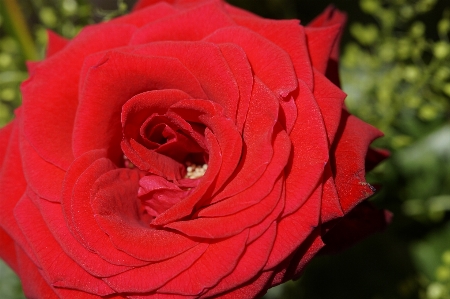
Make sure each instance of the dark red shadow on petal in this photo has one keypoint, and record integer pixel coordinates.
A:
(348, 160)
(365, 219)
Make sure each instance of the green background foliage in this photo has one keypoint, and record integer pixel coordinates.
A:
(395, 67)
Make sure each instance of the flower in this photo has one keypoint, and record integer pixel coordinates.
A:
(189, 149)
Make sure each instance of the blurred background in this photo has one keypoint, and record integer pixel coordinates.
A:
(395, 68)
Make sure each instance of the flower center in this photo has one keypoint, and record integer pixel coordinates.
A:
(127, 163)
(194, 171)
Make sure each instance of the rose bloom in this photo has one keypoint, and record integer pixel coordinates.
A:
(189, 149)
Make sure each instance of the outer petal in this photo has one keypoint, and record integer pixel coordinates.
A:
(184, 26)
(208, 270)
(13, 185)
(348, 162)
(8, 250)
(320, 44)
(34, 286)
(361, 222)
(250, 265)
(44, 178)
(295, 229)
(5, 135)
(178, 3)
(88, 260)
(147, 15)
(289, 36)
(46, 92)
(151, 277)
(269, 62)
(330, 99)
(254, 289)
(55, 43)
(331, 17)
(53, 261)
(309, 151)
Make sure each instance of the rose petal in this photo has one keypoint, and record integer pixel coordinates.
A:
(202, 191)
(151, 277)
(148, 15)
(157, 194)
(254, 289)
(153, 162)
(88, 260)
(374, 156)
(250, 265)
(44, 178)
(257, 230)
(310, 152)
(294, 229)
(257, 150)
(137, 109)
(330, 99)
(8, 250)
(218, 82)
(226, 226)
(253, 194)
(293, 266)
(55, 43)
(321, 43)
(184, 26)
(43, 93)
(234, 12)
(331, 16)
(54, 265)
(5, 135)
(116, 208)
(362, 221)
(242, 72)
(288, 35)
(288, 113)
(99, 243)
(350, 147)
(269, 62)
(331, 206)
(34, 286)
(96, 127)
(13, 186)
(230, 251)
(224, 130)
(162, 296)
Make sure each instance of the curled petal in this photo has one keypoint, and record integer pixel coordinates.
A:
(119, 215)
(350, 147)
(226, 226)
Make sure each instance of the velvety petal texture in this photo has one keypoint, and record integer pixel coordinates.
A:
(188, 149)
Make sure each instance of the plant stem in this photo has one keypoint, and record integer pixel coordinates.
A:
(14, 17)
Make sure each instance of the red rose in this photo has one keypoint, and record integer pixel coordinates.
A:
(104, 187)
